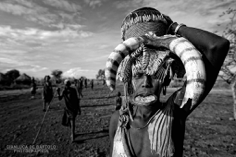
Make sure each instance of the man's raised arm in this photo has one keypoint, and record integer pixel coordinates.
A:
(213, 48)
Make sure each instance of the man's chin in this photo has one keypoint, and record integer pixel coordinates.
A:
(144, 100)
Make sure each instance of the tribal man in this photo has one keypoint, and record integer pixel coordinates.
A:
(33, 88)
(79, 87)
(47, 93)
(155, 49)
(72, 103)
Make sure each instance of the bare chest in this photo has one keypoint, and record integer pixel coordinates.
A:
(156, 139)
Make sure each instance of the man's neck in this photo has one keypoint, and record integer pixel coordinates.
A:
(145, 112)
(66, 87)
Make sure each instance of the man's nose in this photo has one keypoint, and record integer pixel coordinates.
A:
(147, 82)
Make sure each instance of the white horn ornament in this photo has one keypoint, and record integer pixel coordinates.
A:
(194, 67)
(115, 58)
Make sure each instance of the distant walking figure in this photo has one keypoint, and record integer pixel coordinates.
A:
(85, 83)
(47, 93)
(79, 87)
(81, 83)
(33, 89)
(91, 83)
(72, 103)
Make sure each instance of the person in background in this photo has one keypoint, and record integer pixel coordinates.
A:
(91, 83)
(85, 83)
(72, 106)
(33, 88)
(47, 93)
(79, 87)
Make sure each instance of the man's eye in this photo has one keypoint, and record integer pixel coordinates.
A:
(154, 77)
(138, 75)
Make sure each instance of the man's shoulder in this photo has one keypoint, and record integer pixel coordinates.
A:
(115, 116)
(114, 121)
(72, 88)
(47, 84)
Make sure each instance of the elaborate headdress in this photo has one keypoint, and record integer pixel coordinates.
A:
(143, 59)
(142, 21)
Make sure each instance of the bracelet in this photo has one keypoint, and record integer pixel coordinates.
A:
(177, 28)
(170, 27)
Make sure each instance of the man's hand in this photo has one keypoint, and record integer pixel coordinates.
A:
(171, 25)
(150, 39)
(168, 19)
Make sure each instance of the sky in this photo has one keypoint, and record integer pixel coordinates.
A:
(77, 36)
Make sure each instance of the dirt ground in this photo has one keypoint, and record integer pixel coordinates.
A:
(210, 131)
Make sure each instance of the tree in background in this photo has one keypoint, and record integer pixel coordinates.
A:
(57, 75)
(3, 80)
(228, 70)
(101, 74)
(11, 75)
(23, 79)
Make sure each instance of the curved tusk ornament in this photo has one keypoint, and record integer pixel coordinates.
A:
(115, 58)
(194, 67)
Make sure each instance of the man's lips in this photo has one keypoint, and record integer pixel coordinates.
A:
(145, 99)
(144, 94)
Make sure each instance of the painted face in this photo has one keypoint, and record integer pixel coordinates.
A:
(147, 89)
